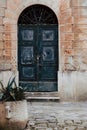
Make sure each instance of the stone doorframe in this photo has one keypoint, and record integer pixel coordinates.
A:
(17, 13)
(54, 8)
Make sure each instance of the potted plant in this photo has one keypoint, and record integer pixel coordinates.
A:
(13, 106)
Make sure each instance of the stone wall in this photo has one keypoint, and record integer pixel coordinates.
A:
(66, 35)
(71, 14)
(5, 45)
(73, 42)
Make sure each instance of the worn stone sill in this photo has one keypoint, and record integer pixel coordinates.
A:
(57, 98)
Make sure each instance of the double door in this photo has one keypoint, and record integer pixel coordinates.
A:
(38, 57)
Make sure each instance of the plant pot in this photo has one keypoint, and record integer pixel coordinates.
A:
(13, 115)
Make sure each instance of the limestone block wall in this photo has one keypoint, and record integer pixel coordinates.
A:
(5, 46)
(71, 14)
(80, 33)
(79, 10)
(66, 34)
(73, 41)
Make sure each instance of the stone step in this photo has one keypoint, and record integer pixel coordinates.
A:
(41, 94)
(52, 96)
(43, 98)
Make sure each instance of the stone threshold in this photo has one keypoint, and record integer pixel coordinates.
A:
(43, 98)
(39, 96)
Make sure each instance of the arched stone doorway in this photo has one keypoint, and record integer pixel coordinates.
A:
(38, 49)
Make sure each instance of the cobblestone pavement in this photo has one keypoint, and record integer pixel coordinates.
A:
(57, 116)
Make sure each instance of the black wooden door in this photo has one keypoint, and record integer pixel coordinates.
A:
(38, 57)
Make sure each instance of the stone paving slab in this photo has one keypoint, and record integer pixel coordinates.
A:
(57, 116)
(59, 110)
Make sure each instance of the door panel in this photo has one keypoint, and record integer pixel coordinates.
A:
(47, 35)
(38, 57)
(27, 35)
(47, 73)
(27, 54)
(28, 73)
(48, 54)
(39, 86)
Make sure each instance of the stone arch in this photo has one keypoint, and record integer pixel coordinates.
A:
(30, 3)
(25, 14)
(31, 17)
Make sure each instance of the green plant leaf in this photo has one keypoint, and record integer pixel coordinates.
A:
(3, 89)
(13, 95)
(15, 84)
(10, 83)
